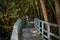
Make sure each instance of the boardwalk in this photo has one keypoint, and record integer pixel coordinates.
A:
(32, 30)
(30, 33)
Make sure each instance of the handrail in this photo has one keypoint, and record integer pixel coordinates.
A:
(17, 28)
(37, 26)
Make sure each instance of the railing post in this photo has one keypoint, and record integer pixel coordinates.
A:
(42, 28)
(35, 23)
(59, 32)
(39, 26)
(48, 31)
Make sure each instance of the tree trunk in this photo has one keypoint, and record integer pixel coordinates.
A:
(57, 11)
(6, 6)
(37, 9)
(34, 7)
(44, 10)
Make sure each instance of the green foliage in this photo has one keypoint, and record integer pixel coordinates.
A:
(11, 10)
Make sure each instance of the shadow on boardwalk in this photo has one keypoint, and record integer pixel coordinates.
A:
(30, 33)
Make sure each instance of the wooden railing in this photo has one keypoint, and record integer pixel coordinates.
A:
(17, 28)
(39, 25)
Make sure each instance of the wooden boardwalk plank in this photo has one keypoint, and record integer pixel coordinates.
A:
(29, 33)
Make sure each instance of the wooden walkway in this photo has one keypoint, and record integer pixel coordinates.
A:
(21, 31)
(30, 33)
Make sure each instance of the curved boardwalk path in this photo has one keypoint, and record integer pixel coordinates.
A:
(30, 33)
